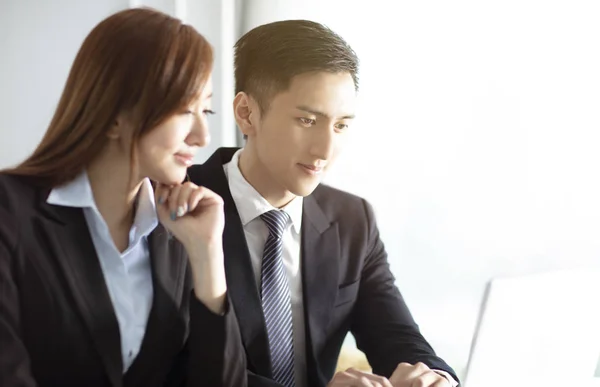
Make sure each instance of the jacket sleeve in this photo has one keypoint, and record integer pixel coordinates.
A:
(383, 325)
(15, 370)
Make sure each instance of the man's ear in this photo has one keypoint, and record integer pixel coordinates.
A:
(246, 113)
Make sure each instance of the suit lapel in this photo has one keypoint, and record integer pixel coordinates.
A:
(168, 279)
(69, 241)
(242, 287)
(320, 271)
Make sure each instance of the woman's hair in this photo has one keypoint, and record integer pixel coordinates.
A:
(140, 62)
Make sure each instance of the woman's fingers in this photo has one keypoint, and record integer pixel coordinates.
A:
(161, 193)
(185, 198)
(172, 201)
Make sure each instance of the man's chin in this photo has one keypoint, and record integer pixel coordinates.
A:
(304, 190)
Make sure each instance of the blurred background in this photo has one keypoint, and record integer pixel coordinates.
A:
(476, 139)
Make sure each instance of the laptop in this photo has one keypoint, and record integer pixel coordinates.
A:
(538, 330)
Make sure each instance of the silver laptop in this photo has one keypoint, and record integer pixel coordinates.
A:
(538, 330)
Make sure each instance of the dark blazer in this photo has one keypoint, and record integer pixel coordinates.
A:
(57, 323)
(347, 285)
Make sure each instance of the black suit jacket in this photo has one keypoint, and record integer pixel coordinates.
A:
(347, 285)
(57, 323)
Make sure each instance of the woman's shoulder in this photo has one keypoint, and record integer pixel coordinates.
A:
(19, 204)
(18, 184)
(18, 190)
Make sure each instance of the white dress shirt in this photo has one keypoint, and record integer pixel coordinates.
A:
(250, 205)
(127, 275)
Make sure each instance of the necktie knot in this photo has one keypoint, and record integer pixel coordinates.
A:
(276, 220)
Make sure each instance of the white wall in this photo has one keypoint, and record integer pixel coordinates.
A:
(39, 40)
(477, 142)
(216, 21)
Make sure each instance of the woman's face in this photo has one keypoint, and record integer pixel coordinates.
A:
(165, 153)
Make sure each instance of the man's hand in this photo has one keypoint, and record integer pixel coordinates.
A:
(355, 378)
(418, 375)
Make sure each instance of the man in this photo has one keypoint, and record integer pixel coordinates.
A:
(304, 261)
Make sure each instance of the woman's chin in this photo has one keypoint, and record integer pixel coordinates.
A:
(172, 178)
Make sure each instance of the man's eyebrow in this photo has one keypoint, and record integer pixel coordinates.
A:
(318, 113)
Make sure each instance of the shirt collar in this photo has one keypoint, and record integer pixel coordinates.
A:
(78, 193)
(146, 218)
(250, 204)
(75, 193)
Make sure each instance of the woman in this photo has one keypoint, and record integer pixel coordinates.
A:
(104, 281)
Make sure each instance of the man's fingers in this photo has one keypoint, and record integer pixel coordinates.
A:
(363, 381)
(406, 371)
(404, 367)
(442, 383)
(385, 382)
(418, 375)
(430, 379)
(416, 371)
(354, 377)
(375, 380)
(340, 378)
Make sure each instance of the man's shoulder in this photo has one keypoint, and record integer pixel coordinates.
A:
(328, 193)
(338, 203)
(213, 165)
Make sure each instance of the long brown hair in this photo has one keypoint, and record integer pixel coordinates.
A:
(138, 61)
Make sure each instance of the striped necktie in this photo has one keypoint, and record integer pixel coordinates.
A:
(276, 304)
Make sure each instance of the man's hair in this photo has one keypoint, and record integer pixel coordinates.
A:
(269, 56)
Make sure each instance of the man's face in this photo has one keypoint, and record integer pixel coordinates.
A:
(302, 131)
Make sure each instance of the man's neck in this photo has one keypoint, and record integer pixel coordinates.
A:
(258, 177)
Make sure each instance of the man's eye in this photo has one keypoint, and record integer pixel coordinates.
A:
(307, 121)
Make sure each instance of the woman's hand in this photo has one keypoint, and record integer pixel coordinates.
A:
(194, 215)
